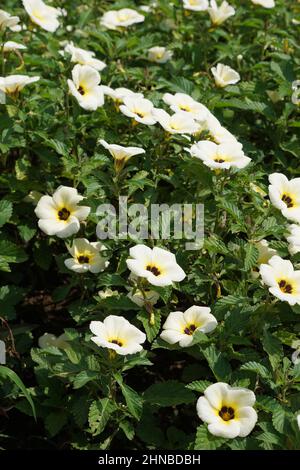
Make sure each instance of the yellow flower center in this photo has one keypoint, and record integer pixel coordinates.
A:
(288, 200)
(285, 286)
(37, 14)
(226, 413)
(185, 107)
(63, 214)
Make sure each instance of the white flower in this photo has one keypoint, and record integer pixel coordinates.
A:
(222, 156)
(294, 239)
(195, 5)
(178, 123)
(216, 132)
(264, 3)
(118, 334)
(265, 253)
(282, 279)
(137, 296)
(105, 294)
(15, 83)
(285, 195)
(219, 14)
(298, 421)
(86, 256)
(225, 75)
(115, 19)
(156, 265)
(228, 410)
(180, 327)
(42, 15)
(139, 109)
(121, 154)
(84, 86)
(180, 102)
(60, 214)
(295, 356)
(7, 20)
(119, 94)
(296, 91)
(47, 340)
(9, 46)
(83, 57)
(159, 54)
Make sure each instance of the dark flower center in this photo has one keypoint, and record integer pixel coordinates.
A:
(219, 160)
(81, 90)
(154, 270)
(189, 330)
(287, 200)
(83, 259)
(116, 341)
(63, 214)
(285, 287)
(226, 413)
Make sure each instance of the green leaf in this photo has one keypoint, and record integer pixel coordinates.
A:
(133, 400)
(257, 368)
(199, 385)
(169, 393)
(206, 441)
(55, 421)
(83, 378)
(99, 414)
(251, 256)
(7, 373)
(217, 363)
(128, 429)
(151, 330)
(273, 348)
(5, 211)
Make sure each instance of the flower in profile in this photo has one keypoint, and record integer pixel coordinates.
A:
(47, 340)
(119, 94)
(8, 21)
(294, 239)
(178, 123)
(282, 279)
(141, 298)
(13, 84)
(181, 326)
(60, 214)
(216, 132)
(219, 14)
(84, 86)
(156, 265)
(159, 54)
(117, 333)
(10, 46)
(42, 15)
(222, 156)
(225, 75)
(264, 3)
(180, 102)
(83, 57)
(265, 253)
(195, 5)
(228, 410)
(123, 18)
(86, 256)
(285, 195)
(140, 109)
(121, 154)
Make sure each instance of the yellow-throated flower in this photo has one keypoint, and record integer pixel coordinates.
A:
(159, 54)
(225, 75)
(43, 15)
(282, 279)
(285, 195)
(84, 86)
(86, 256)
(123, 18)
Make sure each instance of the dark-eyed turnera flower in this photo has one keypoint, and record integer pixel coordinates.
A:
(282, 279)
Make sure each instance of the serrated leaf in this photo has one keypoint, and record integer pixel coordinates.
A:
(199, 385)
(99, 414)
(169, 393)
(251, 256)
(133, 400)
(206, 441)
(5, 211)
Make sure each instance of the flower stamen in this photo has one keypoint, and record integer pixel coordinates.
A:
(226, 413)
(63, 214)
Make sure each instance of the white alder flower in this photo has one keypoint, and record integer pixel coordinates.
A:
(12, 84)
(264, 3)
(141, 298)
(48, 339)
(282, 279)
(178, 123)
(115, 19)
(84, 86)
(185, 103)
(265, 253)
(225, 75)
(42, 14)
(216, 132)
(83, 57)
(7, 20)
(118, 334)
(195, 5)
(86, 256)
(119, 94)
(156, 265)
(228, 410)
(298, 421)
(222, 156)
(159, 54)
(219, 14)
(140, 109)
(119, 153)
(285, 195)
(181, 326)
(60, 214)
(294, 239)
(10, 46)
